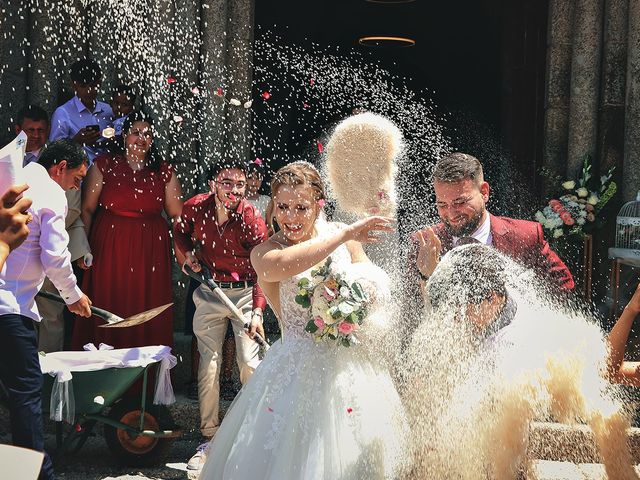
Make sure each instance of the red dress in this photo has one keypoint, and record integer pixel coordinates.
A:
(131, 269)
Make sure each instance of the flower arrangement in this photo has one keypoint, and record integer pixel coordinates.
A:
(576, 210)
(337, 308)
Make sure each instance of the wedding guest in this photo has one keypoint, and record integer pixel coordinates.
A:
(472, 289)
(218, 230)
(123, 201)
(122, 103)
(14, 219)
(621, 370)
(84, 117)
(255, 177)
(33, 121)
(461, 198)
(62, 166)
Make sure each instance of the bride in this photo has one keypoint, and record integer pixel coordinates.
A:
(313, 409)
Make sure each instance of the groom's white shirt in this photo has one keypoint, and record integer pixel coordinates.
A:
(482, 233)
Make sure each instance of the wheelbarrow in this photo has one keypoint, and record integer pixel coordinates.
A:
(133, 428)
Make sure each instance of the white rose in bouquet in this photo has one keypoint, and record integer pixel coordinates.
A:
(569, 185)
(593, 199)
(582, 192)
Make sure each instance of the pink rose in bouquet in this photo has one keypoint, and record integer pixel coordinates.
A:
(345, 328)
(567, 218)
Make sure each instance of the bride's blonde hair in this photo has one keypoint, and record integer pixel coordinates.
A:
(292, 175)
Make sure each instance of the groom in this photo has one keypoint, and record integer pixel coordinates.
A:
(461, 198)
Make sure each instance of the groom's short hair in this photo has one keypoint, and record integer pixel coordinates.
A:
(457, 167)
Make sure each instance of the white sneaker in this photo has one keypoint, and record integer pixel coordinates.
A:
(197, 461)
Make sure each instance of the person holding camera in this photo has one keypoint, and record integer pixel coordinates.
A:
(84, 117)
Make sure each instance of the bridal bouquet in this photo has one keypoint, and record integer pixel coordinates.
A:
(337, 308)
(575, 212)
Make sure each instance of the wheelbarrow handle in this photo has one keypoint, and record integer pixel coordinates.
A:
(99, 312)
(204, 276)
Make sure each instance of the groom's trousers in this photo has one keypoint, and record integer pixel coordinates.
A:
(210, 326)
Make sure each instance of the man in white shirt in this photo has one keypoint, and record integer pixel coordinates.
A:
(62, 166)
(83, 118)
(34, 121)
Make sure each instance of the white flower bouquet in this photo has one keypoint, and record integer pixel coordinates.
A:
(336, 307)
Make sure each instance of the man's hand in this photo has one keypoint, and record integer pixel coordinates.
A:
(191, 260)
(86, 136)
(81, 264)
(14, 218)
(256, 324)
(428, 251)
(81, 307)
(634, 303)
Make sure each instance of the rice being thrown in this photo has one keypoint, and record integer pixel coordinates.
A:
(361, 164)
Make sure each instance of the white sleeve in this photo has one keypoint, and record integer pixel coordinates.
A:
(55, 256)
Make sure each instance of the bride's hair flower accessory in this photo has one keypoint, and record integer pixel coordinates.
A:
(336, 307)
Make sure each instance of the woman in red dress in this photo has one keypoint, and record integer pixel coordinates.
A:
(129, 238)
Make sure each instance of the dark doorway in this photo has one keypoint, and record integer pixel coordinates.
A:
(483, 62)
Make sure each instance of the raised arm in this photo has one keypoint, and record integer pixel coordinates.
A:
(91, 189)
(173, 198)
(619, 370)
(273, 264)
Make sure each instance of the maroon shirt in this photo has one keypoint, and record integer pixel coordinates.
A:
(224, 249)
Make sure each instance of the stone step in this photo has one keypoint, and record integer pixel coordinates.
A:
(550, 470)
(572, 443)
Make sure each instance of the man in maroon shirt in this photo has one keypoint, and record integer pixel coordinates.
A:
(219, 229)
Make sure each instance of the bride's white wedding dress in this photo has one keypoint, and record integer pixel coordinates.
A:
(315, 411)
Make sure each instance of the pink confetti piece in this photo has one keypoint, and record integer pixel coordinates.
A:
(195, 91)
(320, 146)
(382, 195)
(235, 276)
(322, 202)
(266, 95)
(219, 92)
(312, 81)
(258, 161)
(305, 105)
(171, 80)
(269, 409)
(349, 410)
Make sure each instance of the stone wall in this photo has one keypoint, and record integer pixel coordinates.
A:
(592, 98)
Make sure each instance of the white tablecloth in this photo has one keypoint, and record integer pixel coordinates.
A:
(62, 365)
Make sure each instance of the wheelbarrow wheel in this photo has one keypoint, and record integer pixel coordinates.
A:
(137, 450)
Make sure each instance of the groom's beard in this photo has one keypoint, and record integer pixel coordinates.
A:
(466, 229)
